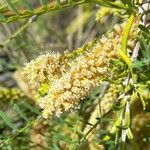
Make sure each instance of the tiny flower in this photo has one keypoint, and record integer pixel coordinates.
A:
(45, 68)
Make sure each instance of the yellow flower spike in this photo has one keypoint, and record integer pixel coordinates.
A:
(74, 75)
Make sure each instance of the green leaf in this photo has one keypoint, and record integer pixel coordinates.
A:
(55, 147)
(2, 18)
(127, 115)
(144, 44)
(144, 29)
(106, 120)
(27, 4)
(103, 132)
(31, 108)
(124, 1)
(145, 32)
(125, 58)
(58, 1)
(126, 32)
(4, 6)
(130, 3)
(12, 7)
(13, 18)
(137, 64)
(20, 112)
(112, 4)
(7, 120)
(60, 137)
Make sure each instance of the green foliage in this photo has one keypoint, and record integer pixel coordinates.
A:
(143, 63)
(10, 12)
(7, 120)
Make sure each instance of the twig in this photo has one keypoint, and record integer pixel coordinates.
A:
(52, 6)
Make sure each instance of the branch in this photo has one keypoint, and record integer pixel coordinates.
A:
(10, 15)
(52, 6)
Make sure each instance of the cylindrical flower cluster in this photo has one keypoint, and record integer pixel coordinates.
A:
(74, 79)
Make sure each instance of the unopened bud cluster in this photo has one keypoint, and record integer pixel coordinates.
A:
(10, 94)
